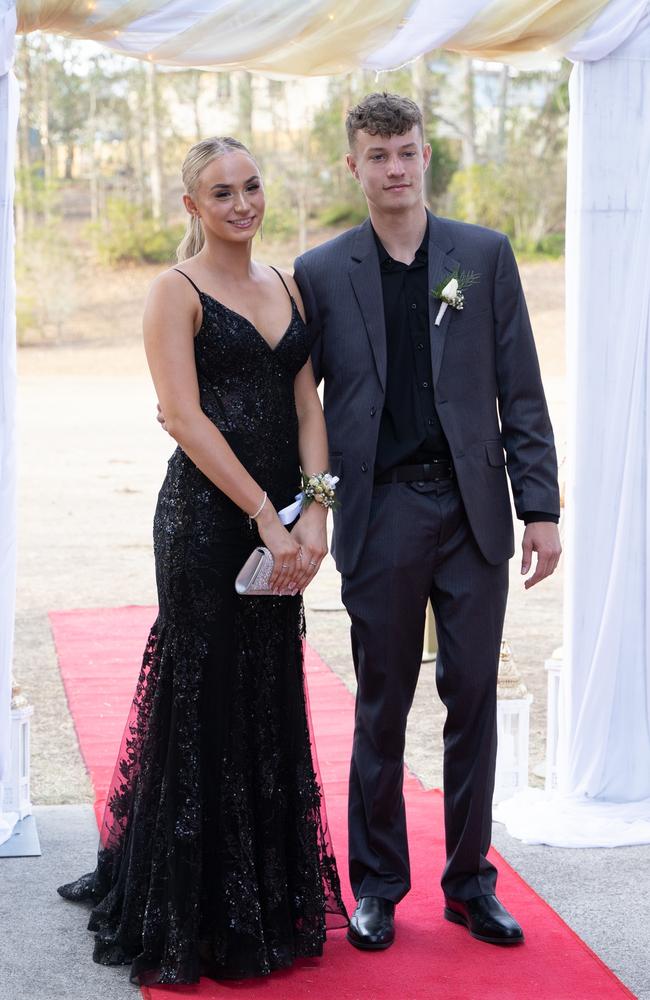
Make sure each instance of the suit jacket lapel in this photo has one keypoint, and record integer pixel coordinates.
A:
(366, 282)
(441, 266)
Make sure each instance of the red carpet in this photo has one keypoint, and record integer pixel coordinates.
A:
(99, 654)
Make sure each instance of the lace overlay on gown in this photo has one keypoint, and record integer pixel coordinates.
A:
(214, 855)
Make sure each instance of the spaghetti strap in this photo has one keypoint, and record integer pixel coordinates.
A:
(282, 280)
(198, 290)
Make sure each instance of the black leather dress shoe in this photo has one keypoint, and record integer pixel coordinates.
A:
(485, 918)
(372, 926)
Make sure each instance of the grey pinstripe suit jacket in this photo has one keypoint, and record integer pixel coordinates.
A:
(486, 380)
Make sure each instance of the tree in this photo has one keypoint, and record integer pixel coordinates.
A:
(24, 195)
(154, 145)
(69, 102)
(469, 115)
(189, 89)
(244, 99)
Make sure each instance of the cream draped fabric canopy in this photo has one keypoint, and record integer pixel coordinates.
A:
(316, 37)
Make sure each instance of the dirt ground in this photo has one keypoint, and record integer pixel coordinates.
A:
(90, 464)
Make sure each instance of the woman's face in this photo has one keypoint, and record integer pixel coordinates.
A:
(229, 198)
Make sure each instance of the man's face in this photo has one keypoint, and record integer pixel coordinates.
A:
(390, 170)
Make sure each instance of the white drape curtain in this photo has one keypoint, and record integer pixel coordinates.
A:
(429, 25)
(432, 23)
(8, 120)
(616, 22)
(604, 752)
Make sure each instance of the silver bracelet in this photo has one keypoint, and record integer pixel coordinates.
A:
(260, 508)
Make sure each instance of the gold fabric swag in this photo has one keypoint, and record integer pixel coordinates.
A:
(302, 37)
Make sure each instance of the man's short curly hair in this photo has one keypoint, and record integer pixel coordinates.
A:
(384, 115)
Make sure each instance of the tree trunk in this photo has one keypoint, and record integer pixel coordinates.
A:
(244, 84)
(277, 100)
(155, 146)
(92, 145)
(469, 133)
(69, 160)
(503, 115)
(139, 136)
(422, 95)
(44, 130)
(469, 117)
(304, 186)
(24, 203)
(420, 87)
(196, 105)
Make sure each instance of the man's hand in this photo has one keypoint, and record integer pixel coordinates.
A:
(160, 418)
(543, 538)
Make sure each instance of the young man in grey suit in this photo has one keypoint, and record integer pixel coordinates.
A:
(426, 409)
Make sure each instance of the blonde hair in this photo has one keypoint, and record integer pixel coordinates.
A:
(194, 163)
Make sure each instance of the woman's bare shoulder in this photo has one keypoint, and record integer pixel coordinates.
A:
(172, 305)
(172, 286)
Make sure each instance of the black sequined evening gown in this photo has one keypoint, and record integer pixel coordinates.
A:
(214, 856)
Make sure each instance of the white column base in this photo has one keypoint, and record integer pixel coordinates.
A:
(7, 821)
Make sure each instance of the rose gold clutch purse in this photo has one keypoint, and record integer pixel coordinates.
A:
(253, 578)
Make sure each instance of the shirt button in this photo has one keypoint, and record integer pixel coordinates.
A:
(373, 410)
(425, 385)
(413, 305)
(364, 467)
(420, 347)
(431, 421)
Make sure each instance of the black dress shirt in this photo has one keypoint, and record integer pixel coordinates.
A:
(410, 431)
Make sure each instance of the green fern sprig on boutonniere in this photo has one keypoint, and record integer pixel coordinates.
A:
(451, 291)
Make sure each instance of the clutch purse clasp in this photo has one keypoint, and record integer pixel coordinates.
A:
(253, 578)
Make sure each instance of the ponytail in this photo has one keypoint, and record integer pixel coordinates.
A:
(192, 241)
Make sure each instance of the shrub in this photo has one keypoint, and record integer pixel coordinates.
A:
(341, 213)
(124, 236)
(479, 195)
(552, 245)
(280, 219)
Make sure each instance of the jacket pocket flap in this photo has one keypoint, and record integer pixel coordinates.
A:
(495, 454)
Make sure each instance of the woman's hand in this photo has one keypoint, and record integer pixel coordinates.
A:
(285, 551)
(311, 534)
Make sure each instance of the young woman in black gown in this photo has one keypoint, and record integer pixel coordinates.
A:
(214, 856)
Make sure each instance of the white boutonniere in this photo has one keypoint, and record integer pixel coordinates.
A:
(450, 291)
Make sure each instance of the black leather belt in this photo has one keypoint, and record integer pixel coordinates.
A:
(437, 470)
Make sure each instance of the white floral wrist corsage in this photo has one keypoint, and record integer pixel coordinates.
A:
(321, 489)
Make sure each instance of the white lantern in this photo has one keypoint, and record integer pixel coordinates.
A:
(553, 669)
(513, 725)
(16, 794)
